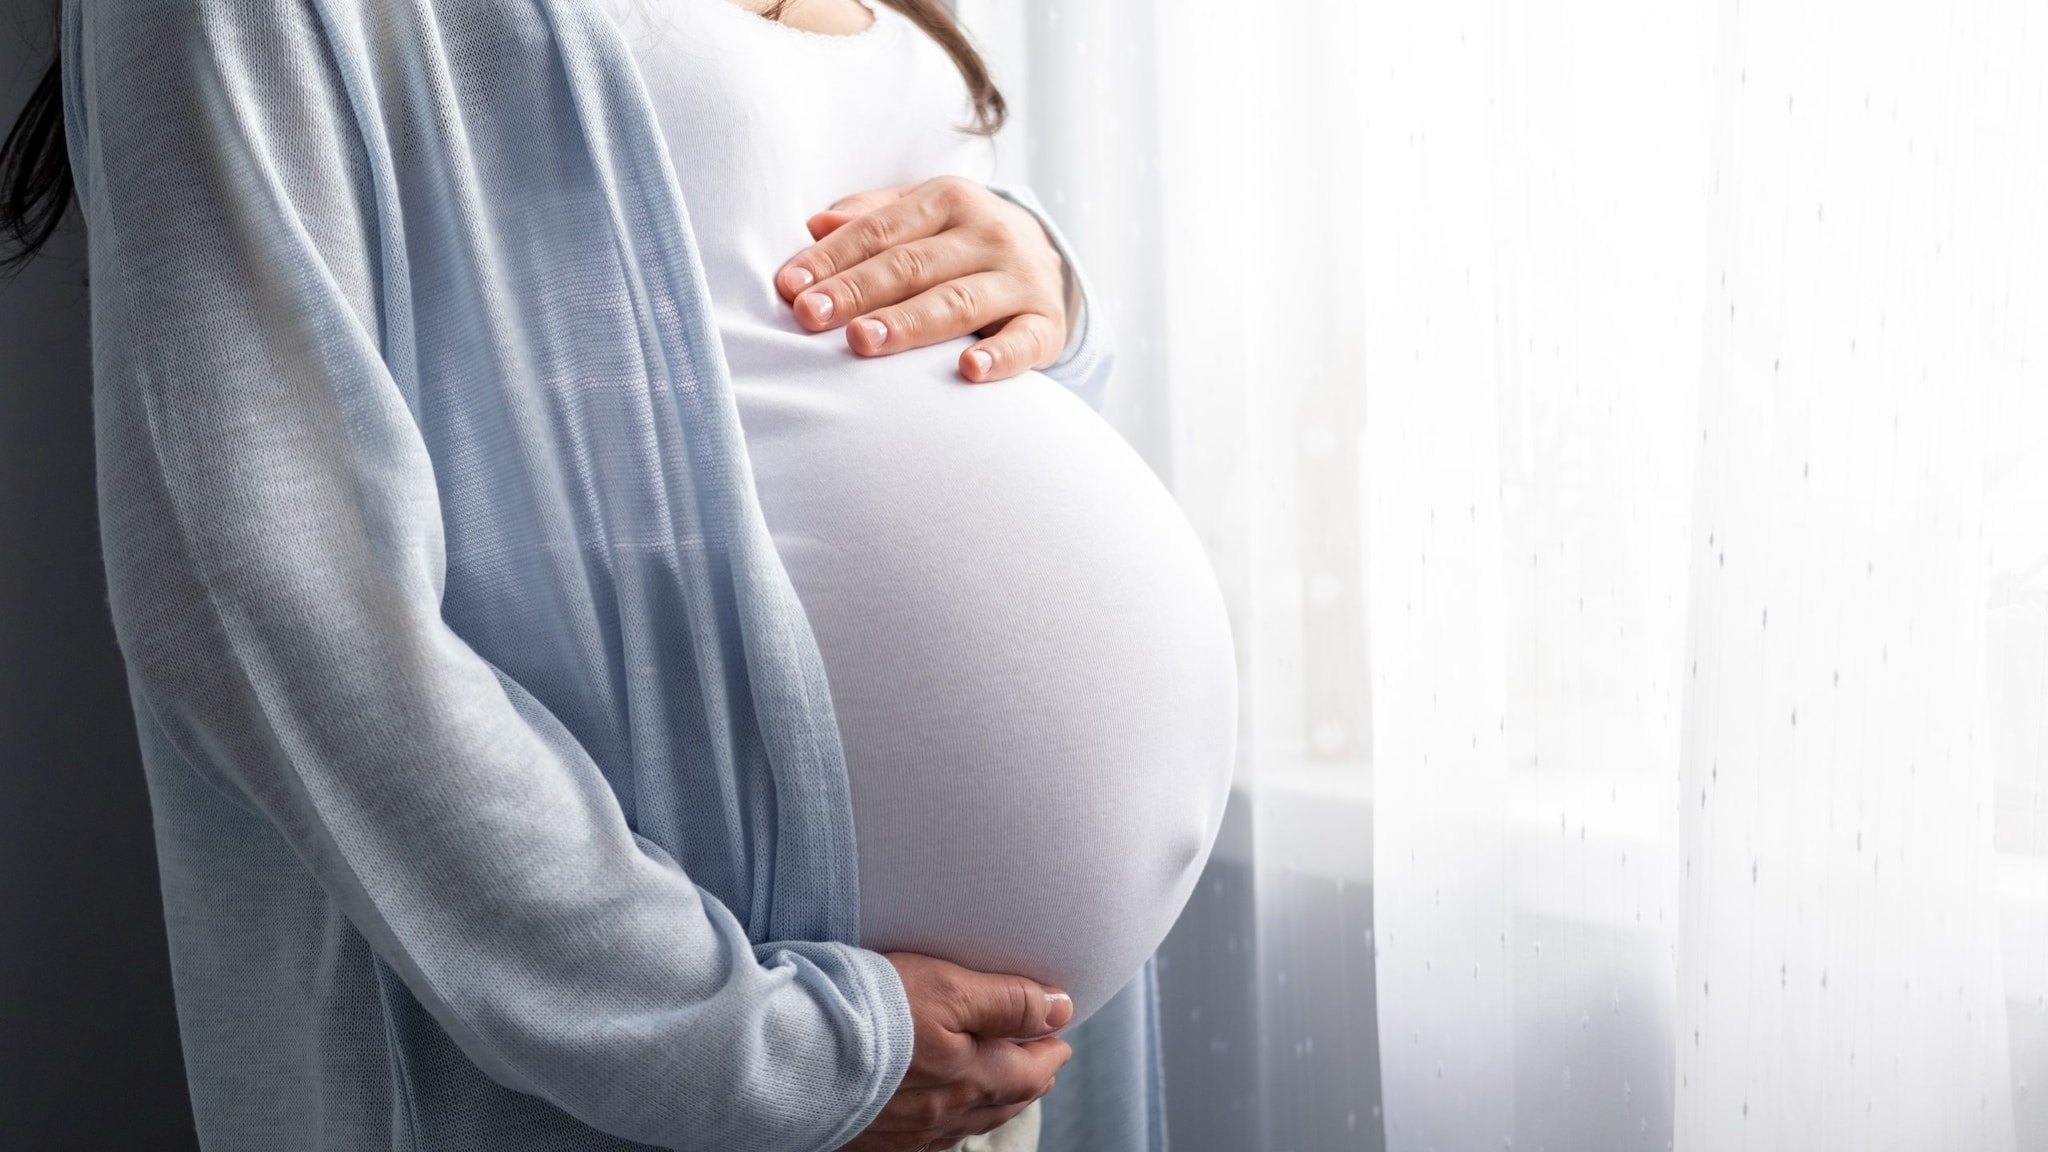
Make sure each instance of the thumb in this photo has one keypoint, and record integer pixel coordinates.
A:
(847, 207)
(1012, 1007)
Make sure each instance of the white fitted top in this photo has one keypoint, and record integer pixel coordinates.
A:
(1027, 651)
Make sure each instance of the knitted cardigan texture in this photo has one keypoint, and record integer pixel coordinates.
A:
(499, 803)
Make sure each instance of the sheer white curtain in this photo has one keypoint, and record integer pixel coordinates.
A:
(1622, 432)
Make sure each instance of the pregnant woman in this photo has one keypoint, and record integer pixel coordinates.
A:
(605, 679)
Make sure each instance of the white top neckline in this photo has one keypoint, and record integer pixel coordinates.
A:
(872, 33)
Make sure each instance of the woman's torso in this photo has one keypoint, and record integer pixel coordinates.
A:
(1027, 653)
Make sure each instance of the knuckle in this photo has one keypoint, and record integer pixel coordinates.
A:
(874, 231)
(947, 989)
(959, 997)
(1003, 1091)
(1048, 1056)
(961, 302)
(853, 293)
(1018, 346)
(953, 191)
(1012, 1088)
(823, 259)
(956, 1053)
(927, 1111)
(1016, 999)
(1042, 343)
(907, 264)
(1004, 1117)
(1003, 239)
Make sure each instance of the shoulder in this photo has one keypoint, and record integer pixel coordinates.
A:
(249, 45)
(181, 56)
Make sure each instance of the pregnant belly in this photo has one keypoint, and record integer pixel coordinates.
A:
(1028, 657)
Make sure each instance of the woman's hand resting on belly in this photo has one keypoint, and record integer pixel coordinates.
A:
(904, 268)
(1009, 606)
(919, 263)
(984, 1051)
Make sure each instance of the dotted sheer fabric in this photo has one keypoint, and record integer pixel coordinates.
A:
(498, 796)
(1625, 447)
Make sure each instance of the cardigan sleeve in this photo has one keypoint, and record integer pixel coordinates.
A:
(1085, 363)
(273, 540)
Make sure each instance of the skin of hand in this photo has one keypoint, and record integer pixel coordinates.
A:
(919, 263)
(984, 1051)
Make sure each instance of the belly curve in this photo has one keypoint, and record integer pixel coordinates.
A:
(1028, 655)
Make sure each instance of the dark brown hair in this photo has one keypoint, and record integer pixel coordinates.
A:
(35, 168)
(936, 18)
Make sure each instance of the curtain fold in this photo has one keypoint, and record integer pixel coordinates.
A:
(1621, 431)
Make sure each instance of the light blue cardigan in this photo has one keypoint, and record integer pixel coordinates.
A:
(498, 796)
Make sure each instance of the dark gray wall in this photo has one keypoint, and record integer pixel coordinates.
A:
(88, 1040)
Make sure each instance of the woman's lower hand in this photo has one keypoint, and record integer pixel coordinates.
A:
(913, 265)
(984, 1051)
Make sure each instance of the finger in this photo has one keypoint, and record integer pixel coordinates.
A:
(948, 310)
(872, 199)
(873, 1140)
(924, 1112)
(943, 1055)
(1013, 1071)
(848, 207)
(1027, 340)
(887, 278)
(1008, 1072)
(1004, 1005)
(825, 223)
(973, 1122)
(982, 1121)
(925, 210)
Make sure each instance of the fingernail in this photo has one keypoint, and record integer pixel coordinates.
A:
(1059, 1008)
(982, 361)
(800, 278)
(820, 306)
(876, 331)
